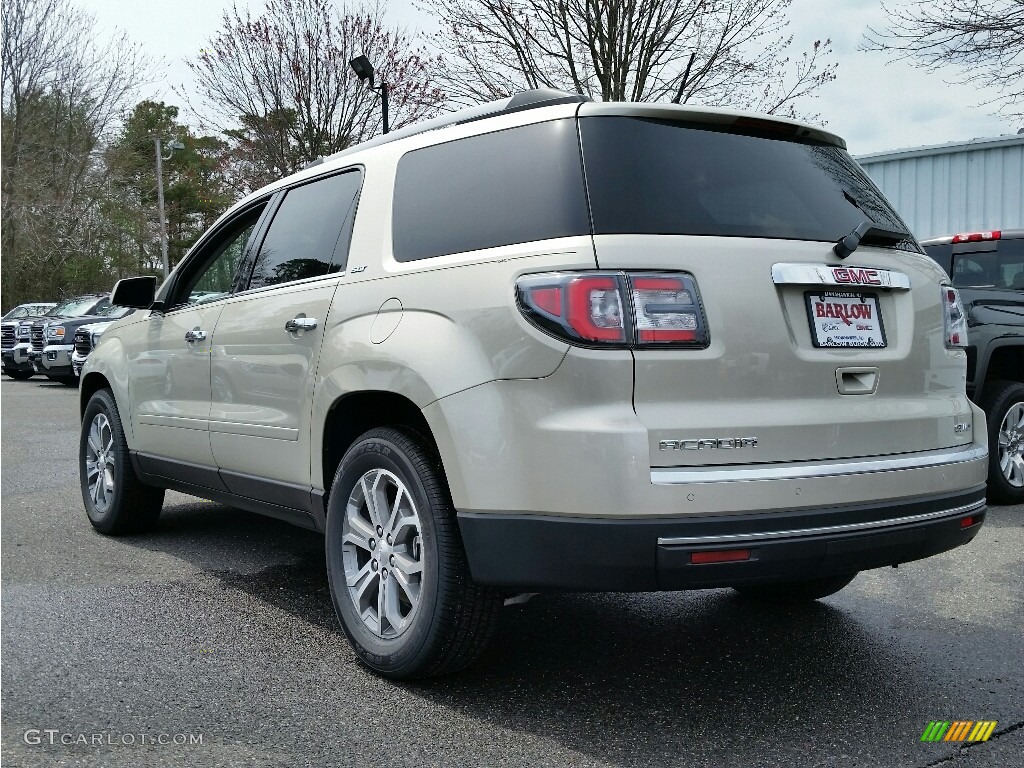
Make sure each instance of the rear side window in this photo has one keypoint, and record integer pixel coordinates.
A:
(305, 238)
(647, 176)
(501, 188)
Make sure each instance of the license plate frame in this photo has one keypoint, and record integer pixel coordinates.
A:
(852, 320)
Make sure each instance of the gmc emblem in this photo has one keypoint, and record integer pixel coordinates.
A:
(856, 275)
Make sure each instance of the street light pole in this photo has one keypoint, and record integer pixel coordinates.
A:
(160, 206)
(173, 145)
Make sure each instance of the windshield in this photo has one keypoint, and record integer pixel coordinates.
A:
(648, 176)
(75, 307)
(21, 311)
(112, 311)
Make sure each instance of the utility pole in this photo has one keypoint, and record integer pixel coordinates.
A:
(174, 144)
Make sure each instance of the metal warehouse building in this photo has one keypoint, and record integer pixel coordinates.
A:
(963, 186)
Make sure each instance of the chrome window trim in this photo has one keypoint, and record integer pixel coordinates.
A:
(810, 471)
(799, 532)
(821, 274)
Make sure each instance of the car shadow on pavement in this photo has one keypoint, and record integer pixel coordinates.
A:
(625, 678)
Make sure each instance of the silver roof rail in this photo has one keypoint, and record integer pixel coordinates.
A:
(539, 97)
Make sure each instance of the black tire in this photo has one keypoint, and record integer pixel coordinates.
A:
(999, 398)
(802, 591)
(130, 506)
(67, 381)
(454, 617)
(19, 375)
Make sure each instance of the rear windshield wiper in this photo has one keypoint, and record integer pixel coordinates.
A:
(847, 245)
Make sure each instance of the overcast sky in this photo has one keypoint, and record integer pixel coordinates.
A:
(873, 104)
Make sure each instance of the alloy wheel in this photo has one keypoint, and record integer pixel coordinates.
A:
(1011, 445)
(382, 553)
(100, 462)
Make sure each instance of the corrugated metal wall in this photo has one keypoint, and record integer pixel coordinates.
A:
(959, 187)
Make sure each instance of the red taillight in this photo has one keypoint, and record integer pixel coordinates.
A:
(721, 556)
(595, 309)
(975, 237)
(619, 309)
(955, 318)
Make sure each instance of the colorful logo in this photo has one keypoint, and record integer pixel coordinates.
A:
(959, 730)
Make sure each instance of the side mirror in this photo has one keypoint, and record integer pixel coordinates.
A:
(134, 292)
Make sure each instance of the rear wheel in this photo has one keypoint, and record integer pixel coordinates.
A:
(1004, 406)
(801, 591)
(398, 573)
(18, 375)
(115, 500)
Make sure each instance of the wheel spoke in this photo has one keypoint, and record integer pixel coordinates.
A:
(392, 610)
(394, 510)
(381, 599)
(409, 521)
(411, 589)
(407, 565)
(358, 531)
(371, 498)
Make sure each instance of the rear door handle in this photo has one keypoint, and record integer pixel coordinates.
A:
(195, 335)
(300, 323)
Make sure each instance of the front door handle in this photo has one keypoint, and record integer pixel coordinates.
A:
(196, 334)
(300, 323)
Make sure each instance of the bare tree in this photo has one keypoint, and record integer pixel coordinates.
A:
(279, 84)
(984, 39)
(713, 52)
(62, 90)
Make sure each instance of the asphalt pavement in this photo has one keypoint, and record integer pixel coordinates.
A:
(218, 631)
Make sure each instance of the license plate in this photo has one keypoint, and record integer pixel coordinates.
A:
(844, 319)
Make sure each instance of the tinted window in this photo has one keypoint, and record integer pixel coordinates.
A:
(305, 237)
(513, 186)
(660, 177)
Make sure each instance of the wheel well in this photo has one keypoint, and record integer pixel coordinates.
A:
(352, 415)
(91, 384)
(1005, 364)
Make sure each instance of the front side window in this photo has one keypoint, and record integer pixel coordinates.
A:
(503, 188)
(214, 276)
(308, 234)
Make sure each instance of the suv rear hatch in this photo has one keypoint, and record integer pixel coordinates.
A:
(752, 209)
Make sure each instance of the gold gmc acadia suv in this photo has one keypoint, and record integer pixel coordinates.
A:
(551, 344)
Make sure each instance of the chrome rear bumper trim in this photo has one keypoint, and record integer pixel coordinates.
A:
(812, 470)
(733, 538)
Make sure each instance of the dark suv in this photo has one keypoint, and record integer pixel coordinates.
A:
(988, 269)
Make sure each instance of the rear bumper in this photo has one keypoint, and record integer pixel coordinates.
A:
(536, 552)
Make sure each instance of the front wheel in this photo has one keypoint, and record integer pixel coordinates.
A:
(1004, 407)
(115, 500)
(801, 591)
(19, 375)
(398, 573)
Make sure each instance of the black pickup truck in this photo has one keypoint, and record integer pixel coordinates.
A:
(988, 270)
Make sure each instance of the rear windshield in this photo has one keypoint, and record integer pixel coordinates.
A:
(1002, 267)
(647, 176)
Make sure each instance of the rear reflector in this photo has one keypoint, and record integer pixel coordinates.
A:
(721, 556)
(976, 237)
(967, 522)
